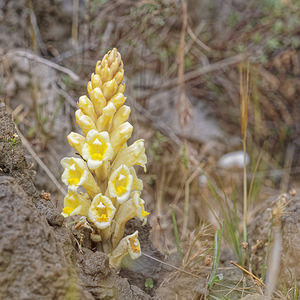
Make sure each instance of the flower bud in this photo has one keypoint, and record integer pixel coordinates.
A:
(98, 100)
(105, 120)
(109, 88)
(84, 122)
(76, 141)
(121, 135)
(87, 107)
(96, 81)
(118, 100)
(121, 116)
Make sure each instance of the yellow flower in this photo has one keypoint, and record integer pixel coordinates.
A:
(128, 245)
(76, 204)
(132, 155)
(134, 207)
(97, 149)
(101, 211)
(76, 173)
(119, 184)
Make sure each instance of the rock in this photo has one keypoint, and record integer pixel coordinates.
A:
(233, 160)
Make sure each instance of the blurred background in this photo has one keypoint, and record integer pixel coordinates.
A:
(214, 89)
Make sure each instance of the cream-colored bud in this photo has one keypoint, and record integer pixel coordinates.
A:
(121, 88)
(132, 155)
(87, 107)
(118, 100)
(115, 67)
(101, 211)
(104, 122)
(76, 204)
(109, 88)
(104, 61)
(96, 81)
(76, 174)
(76, 141)
(121, 116)
(98, 100)
(120, 135)
(89, 89)
(98, 67)
(84, 122)
(105, 74)
(97, 149)
(119, 76)
(128, 245)
(113, 55)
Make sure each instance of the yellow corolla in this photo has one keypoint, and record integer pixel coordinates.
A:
(134, 247)
(101, 211)
(139, 205)
(97, 149)
(134, 207)
(128, 245)
(119, 184)
(76, 204)
(132, 155)
(76, 173)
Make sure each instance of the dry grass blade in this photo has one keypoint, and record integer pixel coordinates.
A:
(44, 61)
(249, 273)
(40, 163)
(183, 104)
(169, 265)
(244, 94)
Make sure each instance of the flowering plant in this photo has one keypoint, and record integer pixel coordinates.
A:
(102, 184)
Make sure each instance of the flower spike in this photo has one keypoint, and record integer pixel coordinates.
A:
(106, 167)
